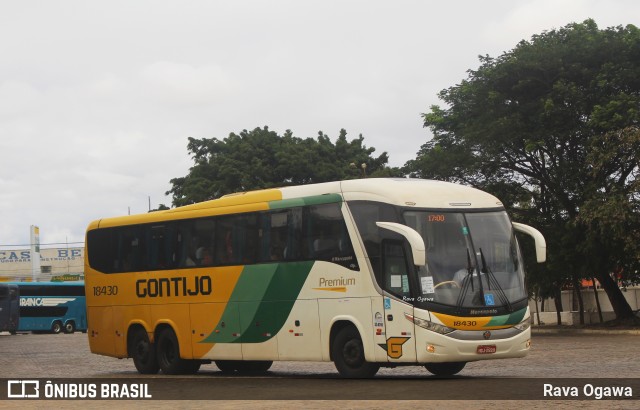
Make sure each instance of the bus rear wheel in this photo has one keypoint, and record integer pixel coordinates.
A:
(168, 353)
(69, 327)
(445, 369)
(348, 355)
(143, 353)
(56, 327)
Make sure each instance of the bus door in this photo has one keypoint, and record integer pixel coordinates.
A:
(399, 341)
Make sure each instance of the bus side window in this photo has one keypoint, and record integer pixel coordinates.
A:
(326, 236)
(157, 247)
(273, 236)
(102, 250)
(177, 248)
(203, 241)
(293, 247)
(246, 238)
(223, 250)
(133, 255)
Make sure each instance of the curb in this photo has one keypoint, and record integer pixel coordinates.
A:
(569, 331)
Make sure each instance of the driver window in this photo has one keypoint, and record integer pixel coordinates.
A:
(395, 269)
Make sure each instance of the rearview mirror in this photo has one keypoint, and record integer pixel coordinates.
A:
(415, 240)
(541, 244)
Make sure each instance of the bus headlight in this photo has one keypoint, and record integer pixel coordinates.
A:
(425, 324)
(524, 325)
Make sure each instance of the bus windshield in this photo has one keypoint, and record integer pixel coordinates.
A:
(473, 259)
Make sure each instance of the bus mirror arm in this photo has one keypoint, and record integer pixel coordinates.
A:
(412, 236)
(541, 244)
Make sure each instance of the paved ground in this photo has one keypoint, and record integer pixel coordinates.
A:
(573, 355)
(552, 355)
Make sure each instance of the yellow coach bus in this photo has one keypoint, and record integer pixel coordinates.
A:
(364, 273)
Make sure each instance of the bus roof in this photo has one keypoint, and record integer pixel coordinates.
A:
(417, 193)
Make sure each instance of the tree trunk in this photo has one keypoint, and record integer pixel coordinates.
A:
(576, 289)
(558, 301)
(595, 292)
(620, 305)
(537, 310)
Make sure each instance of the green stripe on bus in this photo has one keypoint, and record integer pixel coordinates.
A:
(253, 282)
(510, 319)
(305, 201)
(260, 303)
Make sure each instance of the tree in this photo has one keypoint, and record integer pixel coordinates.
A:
(161, 207)
(551, 127)
(262, 159)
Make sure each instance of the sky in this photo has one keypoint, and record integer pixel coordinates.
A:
(98, 98)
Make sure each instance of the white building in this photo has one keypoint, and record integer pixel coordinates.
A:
(55, 264)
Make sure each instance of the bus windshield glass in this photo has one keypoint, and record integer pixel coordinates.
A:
(473, 259)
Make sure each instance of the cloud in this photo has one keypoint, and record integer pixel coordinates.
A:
(186, 84)
(97, 99)
(526, 18)
(18, 98)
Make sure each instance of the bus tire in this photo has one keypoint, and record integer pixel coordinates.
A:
(253, 367)
(445, 369)
(168, 354)
(56, 327)
(348, 355)
(143, 353)
(69, 327)
(244, 367)
(191, 366)
(227, 366)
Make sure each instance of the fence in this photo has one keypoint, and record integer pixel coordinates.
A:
(571, 310)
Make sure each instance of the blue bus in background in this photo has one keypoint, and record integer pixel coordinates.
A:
(9, 308)
(52, 306)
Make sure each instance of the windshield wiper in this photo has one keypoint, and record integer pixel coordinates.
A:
(469, 270)
(478, 297)
(491, 278)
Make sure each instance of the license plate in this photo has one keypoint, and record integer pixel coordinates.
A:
(486, 349)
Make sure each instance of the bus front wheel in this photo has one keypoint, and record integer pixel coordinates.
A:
(254, 367)
(168, 353)
(348, 355)
(143, 353)
(244, 367)
(56, 327)
(445, 369)
(227, 366)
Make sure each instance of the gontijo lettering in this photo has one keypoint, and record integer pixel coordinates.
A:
(178, 286)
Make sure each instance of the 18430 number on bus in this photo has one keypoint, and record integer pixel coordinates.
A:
(105, 290)
(465, 323)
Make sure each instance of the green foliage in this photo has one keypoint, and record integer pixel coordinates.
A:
(550, 127)
(161, 207)
(611, 213)
(262, 159)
